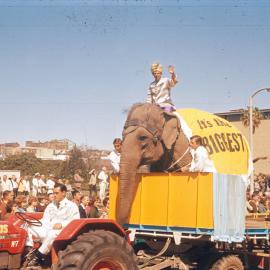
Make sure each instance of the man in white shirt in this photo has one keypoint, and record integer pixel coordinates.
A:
(50, 184)
(103, 178)
(57, 215)
(201, 161)
(35, 184)
(42, 187)
(26, 185)
(14, 182)
(114, 156)
(6, 184)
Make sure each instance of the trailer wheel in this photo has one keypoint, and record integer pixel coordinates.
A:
(228, 263)
(98, 250)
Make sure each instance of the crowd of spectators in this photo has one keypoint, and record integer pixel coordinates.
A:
(33, 194)
(259, 201)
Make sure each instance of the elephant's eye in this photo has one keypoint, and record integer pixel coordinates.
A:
(142, 138)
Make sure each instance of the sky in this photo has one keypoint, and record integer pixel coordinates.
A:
(71, 69)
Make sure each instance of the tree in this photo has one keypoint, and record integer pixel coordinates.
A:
(79, 158)
(75, 162)
(52, 167)
(27, 163)
(257, 116)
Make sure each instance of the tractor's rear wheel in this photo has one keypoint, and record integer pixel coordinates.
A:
(230, 262)
(98, 250)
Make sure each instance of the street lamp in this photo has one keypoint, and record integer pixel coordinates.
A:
(251, 132)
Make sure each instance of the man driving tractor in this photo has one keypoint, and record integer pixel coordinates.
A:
(57, 215)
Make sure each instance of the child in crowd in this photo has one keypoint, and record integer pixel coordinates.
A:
(105, 208)
(22, 203)
(32, 202)
(94, 212)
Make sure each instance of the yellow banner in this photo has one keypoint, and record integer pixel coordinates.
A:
(226, 145)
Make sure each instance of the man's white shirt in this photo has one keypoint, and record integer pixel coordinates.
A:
(114, 158)
(201, 161)
(6, 185)
(65, 213)
(14, 183)
(41, 184)
(50, 185)
(26, 185)
(103, 177)
(35, 183)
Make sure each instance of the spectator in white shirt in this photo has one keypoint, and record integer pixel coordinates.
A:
(103, 178)
(35, 184)
(201, 161)
(42, 186)
(26, 185)
(6, 184)
(114, 156)
(14, 182)
(50, 184)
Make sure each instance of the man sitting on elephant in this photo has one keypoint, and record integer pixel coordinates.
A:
(159, 91)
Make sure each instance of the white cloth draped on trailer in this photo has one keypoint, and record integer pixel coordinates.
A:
(229, 208)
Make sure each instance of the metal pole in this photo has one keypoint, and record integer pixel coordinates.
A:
(251, 133)
(251, 141)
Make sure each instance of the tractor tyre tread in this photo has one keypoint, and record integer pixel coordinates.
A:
(93, 245)
(227, 262)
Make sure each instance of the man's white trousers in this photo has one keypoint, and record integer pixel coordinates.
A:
(45, 235)
(102, 191)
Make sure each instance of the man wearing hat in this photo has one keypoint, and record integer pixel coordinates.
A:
(159, 91)
(92, 183)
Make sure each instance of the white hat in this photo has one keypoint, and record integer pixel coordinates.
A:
(156, 67)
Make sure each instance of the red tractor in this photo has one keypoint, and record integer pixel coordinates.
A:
(83, 244)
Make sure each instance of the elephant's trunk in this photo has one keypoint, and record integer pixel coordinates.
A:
(127, 182)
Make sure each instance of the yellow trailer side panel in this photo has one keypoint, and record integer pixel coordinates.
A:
(205, 201)
(175, 200)
(113, 195)
(154, 199)
(136, 206)
(182, 200)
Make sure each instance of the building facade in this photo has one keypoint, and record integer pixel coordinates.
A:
(51, 150)
(53, 144)
(261, 137)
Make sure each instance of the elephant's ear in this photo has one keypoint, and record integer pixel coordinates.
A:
(171, 130)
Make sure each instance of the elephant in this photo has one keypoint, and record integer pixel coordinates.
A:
(152, 137)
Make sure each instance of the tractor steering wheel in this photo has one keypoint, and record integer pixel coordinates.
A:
(28, 219)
